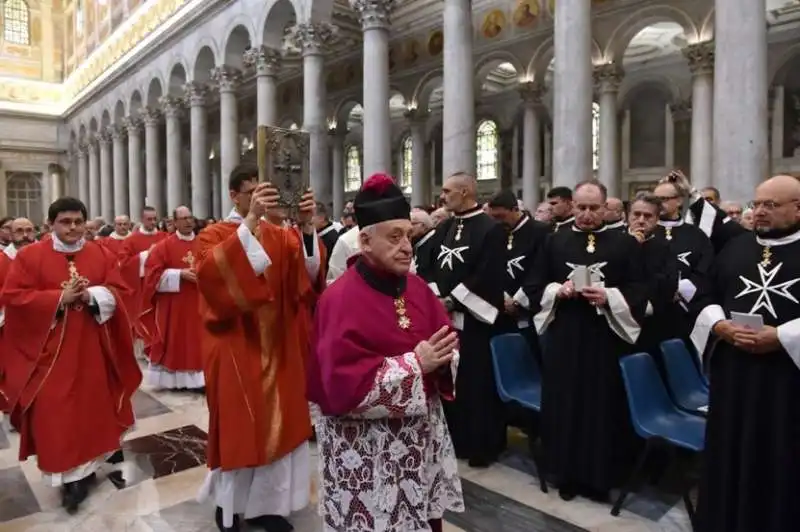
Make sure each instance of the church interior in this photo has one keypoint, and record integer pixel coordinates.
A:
(128, 103)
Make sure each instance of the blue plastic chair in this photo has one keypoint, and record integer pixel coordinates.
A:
(657, 420)
(518, 379)
(684, 379)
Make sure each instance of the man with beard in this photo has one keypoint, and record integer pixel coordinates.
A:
(560, 200)
(752, 462)
(587, 294)
(423, 240)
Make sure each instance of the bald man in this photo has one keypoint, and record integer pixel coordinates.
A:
(615, 214)
(470, 263)
(122, 230)
(752, 460)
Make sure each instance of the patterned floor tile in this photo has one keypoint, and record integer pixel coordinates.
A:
(144, 406)
(16, 497)
(168, 452)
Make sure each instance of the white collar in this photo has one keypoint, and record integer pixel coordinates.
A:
(521, 222)
(11, 251)
(616, 225)
(671, 223)
(117, 236)
(567, 221)
(471, 214)
(427, 236)
(61, 247)
(146, 232)
(327, 230)
(235, 217)
(185, 238)
(603, 228)
(773, 242)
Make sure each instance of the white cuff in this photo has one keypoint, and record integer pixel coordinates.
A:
(648, 310)
(548, 306)
(435, 289)
(312, 261)
(258, 258)
(142, 260)
(170, 282)
(522, 299)
(477, 306)
(105, 301)
(2, 316)
(789, 337)
(619, 316)
(687, 289)
(708, 317)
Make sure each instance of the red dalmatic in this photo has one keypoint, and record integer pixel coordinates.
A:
(175, 342)
(132, 262)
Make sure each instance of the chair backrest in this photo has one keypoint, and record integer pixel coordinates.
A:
(647, 396)
(683, 375)
(514, 364)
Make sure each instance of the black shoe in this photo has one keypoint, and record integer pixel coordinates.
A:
(567, 492)
(218, 520)
(117, 457)
(117, 480)
(270, 523)
(74, 493)
(479, 463)
(595, 495)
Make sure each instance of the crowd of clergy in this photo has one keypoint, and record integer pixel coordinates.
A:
(372, 334)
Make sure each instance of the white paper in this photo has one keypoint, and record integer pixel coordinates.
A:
(581, 278)
(751, 321)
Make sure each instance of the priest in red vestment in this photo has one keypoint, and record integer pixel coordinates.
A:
(253, 278)
(116, 240)
(70, 369)
(378, 371)
(132, 258)
(170, 289)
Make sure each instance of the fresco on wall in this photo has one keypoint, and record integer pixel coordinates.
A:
(525, 13)
(493, 24)
(435, 43)
(410, 54)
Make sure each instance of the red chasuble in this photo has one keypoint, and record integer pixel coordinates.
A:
(5, 265)
(142, 318)
(114, 245)
(176, 339)
(252, 355)
(356, 329)
(69, 379)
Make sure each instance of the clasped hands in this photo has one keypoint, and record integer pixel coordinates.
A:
(596, 295)
(74, 291)
(189, 275)
(438, 350)
(266, 197)
(760, 341)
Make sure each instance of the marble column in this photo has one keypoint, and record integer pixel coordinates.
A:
(458, 114)
(531, 94)
(106, 176)
(154, 183)
(420, 182)
(120, 172)
(336, 137)
(133, 126)
(196, 95)
(313, 39)
(266, 62)
(83, 172)
(377, 143)
(572, 93)
(607, 80)
(741, 153)
(227, 80)
(94, 178)
(778, 117)
(173, 111)
(56, 175)
(700, 57)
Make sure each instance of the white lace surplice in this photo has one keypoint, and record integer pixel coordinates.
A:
(390, 465)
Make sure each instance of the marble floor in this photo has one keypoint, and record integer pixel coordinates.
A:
(164, 468)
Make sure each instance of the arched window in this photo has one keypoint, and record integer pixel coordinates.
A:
(17, 22)
(405, 175)
(487, 155)
(24, 193)
(595, 136)
(352, 179)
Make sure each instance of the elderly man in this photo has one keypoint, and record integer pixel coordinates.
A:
(752, 464)
(615, 214)
(439, 215)
(543, 213)
(122, 229)
(424, 244)
(733, 209)
(711, 195)
(379, 372)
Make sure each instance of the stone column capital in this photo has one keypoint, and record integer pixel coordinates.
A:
(374, 14)
(105, 136)
(151, 116)
(82, 149)
(172, 106)
(263, 60)
(608, 77)
(195, 94)
(337, 133)
(91, 143)
(700, 57)
(133, 124)
(312, 39)
(681, 110)
(531, 93)
(118, 132)
(226, 78)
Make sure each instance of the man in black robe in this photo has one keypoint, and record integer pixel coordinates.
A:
(615, 214)
(425, 248)
(587, 293)
(325, 229)
(470, 262)
(560, 200)
(752, 455)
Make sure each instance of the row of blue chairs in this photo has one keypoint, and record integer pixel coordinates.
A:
(665, 418)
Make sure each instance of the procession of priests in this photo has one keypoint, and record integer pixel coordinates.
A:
(373, 340)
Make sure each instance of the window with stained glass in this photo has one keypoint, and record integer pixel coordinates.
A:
(405, 176)
(16, 17)
(487, 151)
(352, 180)
(595, 136)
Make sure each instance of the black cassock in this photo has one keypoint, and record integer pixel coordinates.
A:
(713, 222)
(425, 250)
(469, 264)
(753, 437)
(563, 225)
(586, 429)
(329, 236)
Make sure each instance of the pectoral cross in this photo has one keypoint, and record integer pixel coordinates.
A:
(75, 279)
(189, 260)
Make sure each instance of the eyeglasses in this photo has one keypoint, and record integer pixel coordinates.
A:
(769, 205)
(665, 198)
